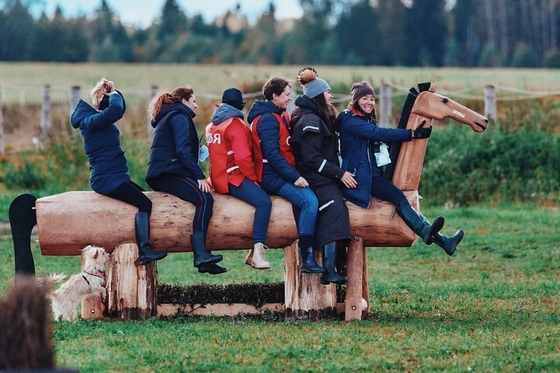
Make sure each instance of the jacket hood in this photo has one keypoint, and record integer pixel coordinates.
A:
(83, 110)
(178, 107)
(305, 105)
(260, 107)
(225, 111)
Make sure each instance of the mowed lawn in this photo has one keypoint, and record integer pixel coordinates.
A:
(493, 306)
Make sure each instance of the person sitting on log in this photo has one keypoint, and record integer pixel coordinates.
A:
(363, 150)
(276, 166)
(315, 149)
(173, 166)
(108, 165)
(232, 169)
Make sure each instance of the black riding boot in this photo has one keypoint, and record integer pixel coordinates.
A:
(341, 257)
(329, 262)
(449, 244)
(201, 255)
(308, 263)
(142, 227)
(419, 224)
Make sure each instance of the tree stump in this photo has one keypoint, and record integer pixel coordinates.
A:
(305, 296)
(131, 287)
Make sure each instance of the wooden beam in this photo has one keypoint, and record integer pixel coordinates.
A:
(69, 221)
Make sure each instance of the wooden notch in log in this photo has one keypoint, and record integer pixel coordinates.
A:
(69, 221)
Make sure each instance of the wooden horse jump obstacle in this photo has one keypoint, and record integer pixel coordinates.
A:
(69, 221)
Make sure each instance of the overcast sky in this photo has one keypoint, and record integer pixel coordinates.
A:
(143, 12)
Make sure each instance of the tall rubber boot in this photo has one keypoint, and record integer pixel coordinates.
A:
(341, 257)
(419, 224)
(142, 228)
(201, 255)
(329, 262)
(308, 263)
(449, 244)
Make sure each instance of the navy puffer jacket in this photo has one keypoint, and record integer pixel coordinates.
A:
(357, 138)
(175, 145)
(277, 171)
(107, 162)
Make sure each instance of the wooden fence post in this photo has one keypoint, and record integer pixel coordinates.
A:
(1, 125)
(149, 128)
(490, 110)
(74, 97)
(46, 112)
(385, 110)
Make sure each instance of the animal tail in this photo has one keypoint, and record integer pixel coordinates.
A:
(52, 278)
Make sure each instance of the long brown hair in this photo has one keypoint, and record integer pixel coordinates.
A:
(329, 112)
(168, 98)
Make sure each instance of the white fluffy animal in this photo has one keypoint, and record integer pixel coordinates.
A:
(91, 281)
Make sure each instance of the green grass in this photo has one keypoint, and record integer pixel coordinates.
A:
(211, 79)
(493, 306)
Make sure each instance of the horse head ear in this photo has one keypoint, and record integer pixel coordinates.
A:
(433, 87)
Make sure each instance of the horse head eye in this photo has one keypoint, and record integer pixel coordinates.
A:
(445, 100)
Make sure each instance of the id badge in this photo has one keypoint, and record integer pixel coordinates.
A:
(382, 157)
(203, 153)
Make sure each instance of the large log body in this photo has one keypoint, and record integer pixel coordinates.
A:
(69, 221)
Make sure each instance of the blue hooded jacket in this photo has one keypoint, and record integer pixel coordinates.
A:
(357, 137)
(175, 145)
(107, 162)
(277, 171)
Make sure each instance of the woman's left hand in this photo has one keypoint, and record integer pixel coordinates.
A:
(203, 185)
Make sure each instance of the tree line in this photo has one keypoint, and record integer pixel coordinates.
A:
(436, 33)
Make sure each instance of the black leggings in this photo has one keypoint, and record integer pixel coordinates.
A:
(131, 193)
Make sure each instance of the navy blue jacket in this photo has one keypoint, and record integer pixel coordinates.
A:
(357, 137)
(276, 171)
(107, 162)
(175, 145)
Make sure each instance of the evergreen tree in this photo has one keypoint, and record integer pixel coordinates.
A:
(16, 31)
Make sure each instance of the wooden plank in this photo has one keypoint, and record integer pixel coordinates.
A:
(69, 221)
(218, 309)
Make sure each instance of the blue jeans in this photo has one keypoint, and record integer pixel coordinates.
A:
(254, 195)
(306, 205)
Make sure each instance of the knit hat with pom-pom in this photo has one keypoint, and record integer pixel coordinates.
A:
(313, 86)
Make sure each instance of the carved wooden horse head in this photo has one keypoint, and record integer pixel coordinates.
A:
(424, 105)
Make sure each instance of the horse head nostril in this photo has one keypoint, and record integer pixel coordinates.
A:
(445, 100)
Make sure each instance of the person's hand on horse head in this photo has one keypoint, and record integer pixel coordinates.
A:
(422, 132)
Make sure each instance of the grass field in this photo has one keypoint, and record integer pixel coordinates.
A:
(492, 307)
(213, 79)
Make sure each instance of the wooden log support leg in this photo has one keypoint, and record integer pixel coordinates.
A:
(355, 273)
(305, 296)
(131, 287)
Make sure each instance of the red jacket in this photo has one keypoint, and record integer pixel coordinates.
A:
(231, 159)
(283, 143)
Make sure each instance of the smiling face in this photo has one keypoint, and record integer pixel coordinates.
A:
(367, 103)
(328, 96)
(283, 99)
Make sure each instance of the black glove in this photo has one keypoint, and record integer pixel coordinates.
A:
(422, 133)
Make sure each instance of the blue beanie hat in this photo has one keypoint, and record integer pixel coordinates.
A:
(313, 86)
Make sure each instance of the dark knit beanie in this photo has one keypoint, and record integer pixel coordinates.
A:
(233, 97)
(361, 89)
